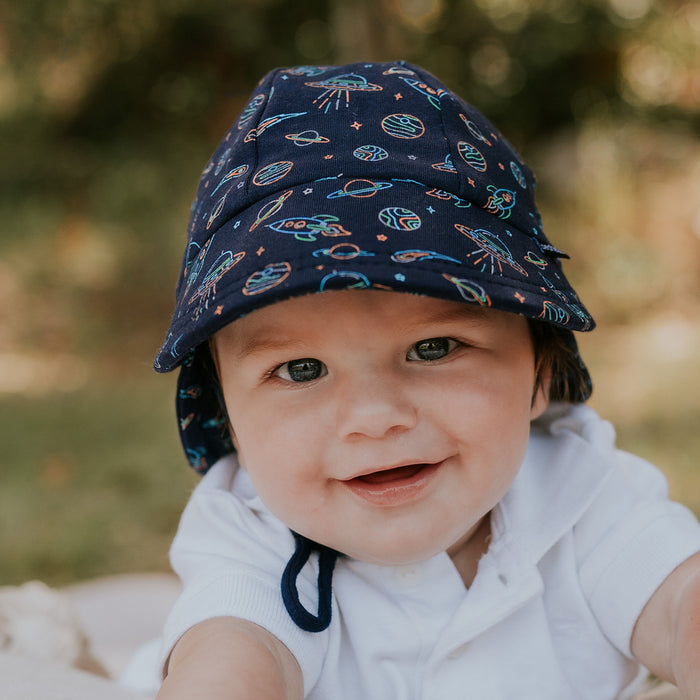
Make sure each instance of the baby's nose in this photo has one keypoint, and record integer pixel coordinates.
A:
(375, 407)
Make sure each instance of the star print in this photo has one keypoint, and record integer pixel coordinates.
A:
(470, 181)
(328, 157)
(237, 224)
(308, 190)
(398, 96)
(411, 157)
(520, 297)
(355, 125)
(218, 311)
(501, 166)
(319, 267)
(260, 251)
(381, 237)
(399, 277)
(431, 210)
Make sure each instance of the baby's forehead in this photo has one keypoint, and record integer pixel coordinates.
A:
(325, 311)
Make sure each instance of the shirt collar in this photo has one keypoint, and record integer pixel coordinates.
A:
(569, 458)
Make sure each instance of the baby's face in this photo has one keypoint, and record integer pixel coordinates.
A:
(382, 424)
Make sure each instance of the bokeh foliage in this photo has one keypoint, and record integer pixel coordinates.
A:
(108, 111)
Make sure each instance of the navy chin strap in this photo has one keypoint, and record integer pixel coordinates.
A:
(290, 593)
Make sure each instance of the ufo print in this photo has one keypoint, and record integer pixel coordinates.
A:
(341, 85)
(195, 262)
(447, 196)
(447, 166)
(492, 247)
(220, 267)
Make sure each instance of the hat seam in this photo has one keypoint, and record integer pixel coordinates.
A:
(232, 287)
(372, 263)
(256, 152)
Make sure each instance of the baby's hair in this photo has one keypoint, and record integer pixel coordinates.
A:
(555, 357)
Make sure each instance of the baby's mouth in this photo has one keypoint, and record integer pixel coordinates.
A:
(394, 486)
(388, 475)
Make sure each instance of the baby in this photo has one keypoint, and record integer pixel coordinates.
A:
(404, 493)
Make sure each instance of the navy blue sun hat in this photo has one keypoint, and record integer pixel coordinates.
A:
(368, 175)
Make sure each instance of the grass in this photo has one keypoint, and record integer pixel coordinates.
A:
(674, 446)
(93, 482)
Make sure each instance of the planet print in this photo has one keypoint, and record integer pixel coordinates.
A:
(403, 126)
(273, 172)
(472, 156)
(267, 278)
(360, 188)
(370, 153)
(399, 219)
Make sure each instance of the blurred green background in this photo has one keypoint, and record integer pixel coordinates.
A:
(109, 109)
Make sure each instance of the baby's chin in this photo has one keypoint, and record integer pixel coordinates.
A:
(393, 554)
(464, 543)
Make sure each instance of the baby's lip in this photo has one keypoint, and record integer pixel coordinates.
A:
(395, 485)
(385, 476)
(399, 470)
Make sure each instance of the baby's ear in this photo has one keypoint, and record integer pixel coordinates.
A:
(239, 455)
(540, 397)
(214, 352)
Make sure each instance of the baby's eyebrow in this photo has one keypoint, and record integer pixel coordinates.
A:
(475, 315)
(258, 344)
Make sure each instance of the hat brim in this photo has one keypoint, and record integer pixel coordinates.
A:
(420, 240)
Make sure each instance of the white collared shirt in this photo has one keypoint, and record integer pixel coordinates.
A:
(580, 542)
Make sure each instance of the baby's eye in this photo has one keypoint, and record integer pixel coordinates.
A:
(304, 370)
(431, 349)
